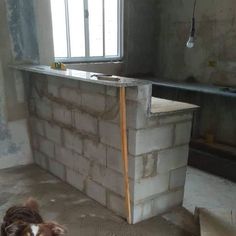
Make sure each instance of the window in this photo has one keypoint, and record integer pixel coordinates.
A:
(87, 30)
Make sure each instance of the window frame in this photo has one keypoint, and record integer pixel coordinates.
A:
(87, 58)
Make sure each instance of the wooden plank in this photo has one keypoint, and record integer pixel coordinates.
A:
(124, 148)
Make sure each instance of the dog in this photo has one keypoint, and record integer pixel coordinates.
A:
(25, 220)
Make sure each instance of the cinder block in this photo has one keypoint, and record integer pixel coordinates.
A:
(109, 179)
(147, 209)
(137, 114)
(169, 118)
(112, 113)
(53, 87)
(62, 114)
(72, 160)
(139, 92)
(115, 162)
(34, 141)
(137, 213)
(68, 83)
(183, 133)
(150, 186)
(71, 95)
(41, 160)
(44, 109)
(142, 211)
(92, 88)
(112, 91)
(177, 177)
(117, 204)
(73, 141)
(75, 179)
(167, 201)
(37, 126)
(162, 203)
(46, 147)
(57, 169)
(53, 132)
(95, 151)
(149, 165)
(82, 165)
(39, 85)
(110, 134)
(172, 158)
(149, 140)
(86, 123)
(187, 116)
(65, 156)
(32, 106)
(94, 102)
(96, 191)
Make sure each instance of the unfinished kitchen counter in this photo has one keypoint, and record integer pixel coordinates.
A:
(75, 133)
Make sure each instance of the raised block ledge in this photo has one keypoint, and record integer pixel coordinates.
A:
(161, 107)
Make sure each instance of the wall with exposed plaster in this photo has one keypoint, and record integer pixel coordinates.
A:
(140, 37)
(18, 43)
(212, 60)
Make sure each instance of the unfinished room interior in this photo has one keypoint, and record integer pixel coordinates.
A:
(118, 117)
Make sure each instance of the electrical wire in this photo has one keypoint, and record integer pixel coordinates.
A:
(193, 19)
(194, 7)
(190, 42)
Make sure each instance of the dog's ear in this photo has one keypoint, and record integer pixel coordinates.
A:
(56, 229)
(15, 228)
(32, 204)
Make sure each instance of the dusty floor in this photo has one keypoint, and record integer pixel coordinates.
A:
(83, 216)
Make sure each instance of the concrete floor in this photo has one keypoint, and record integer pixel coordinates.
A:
(83, 216)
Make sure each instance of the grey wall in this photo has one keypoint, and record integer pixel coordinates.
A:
(156, 33)
(139, 36)
(216, 35)
(15, 46)
(21, 24)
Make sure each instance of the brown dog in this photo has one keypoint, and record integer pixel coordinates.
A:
(26, 221)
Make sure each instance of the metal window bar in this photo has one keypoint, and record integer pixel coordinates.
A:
(86, 29)
(103, 28)
(67, 29)
(87, 57)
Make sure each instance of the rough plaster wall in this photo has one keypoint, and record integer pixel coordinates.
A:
(44, 31)
(14, 140)
(2, 96)
(21, 23)
(216, 35)
(139, 36)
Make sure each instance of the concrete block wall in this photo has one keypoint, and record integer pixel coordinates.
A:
(76, 136)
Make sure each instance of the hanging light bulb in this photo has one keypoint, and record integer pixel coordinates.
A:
(191, 39)
(190, 43)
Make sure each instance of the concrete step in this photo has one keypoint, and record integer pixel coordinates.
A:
(184, 219)
(217, 222)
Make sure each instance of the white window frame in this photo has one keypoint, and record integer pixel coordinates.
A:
(87, 57)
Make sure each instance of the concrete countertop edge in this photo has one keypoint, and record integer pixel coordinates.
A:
(162, 114)
(46, 70)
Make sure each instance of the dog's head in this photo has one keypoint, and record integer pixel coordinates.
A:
(45, 229)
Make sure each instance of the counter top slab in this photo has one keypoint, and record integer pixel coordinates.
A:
(115, 81)
(161, 106)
